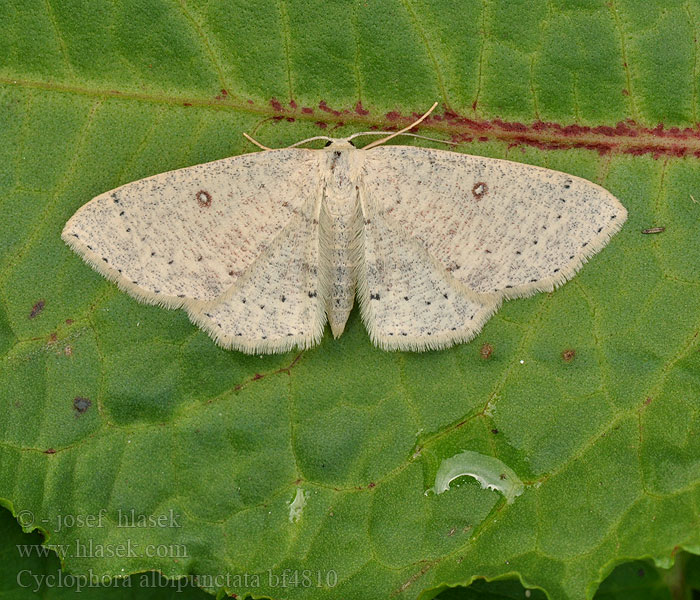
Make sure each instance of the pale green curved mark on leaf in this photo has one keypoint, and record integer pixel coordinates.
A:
(490, 472)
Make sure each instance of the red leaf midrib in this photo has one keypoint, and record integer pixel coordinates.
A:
(626, 137)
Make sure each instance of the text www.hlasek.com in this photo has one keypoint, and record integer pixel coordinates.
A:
(89, 549)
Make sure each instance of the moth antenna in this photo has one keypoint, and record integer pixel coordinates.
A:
(258, 144)
(404, 130)
(422, 137)
(311, 139)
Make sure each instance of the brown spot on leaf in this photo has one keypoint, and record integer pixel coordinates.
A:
(654, 230)
(37, 308)
(360, 110)
(50, 451)
(325, 108)
(203, 198)
(68, 351)
(486, 351)
(371, 484)
(648, 401)
(81, 404)
(568, 355)
(479, 190)
(494, 431)
(69, 321)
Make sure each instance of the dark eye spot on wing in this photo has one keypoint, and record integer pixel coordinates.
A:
(203, 198)
(479, 190)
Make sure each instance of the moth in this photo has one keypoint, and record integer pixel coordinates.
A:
(262, 249)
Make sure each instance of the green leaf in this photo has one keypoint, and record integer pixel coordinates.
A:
(589, 394)
(28, 568)
(637, 579)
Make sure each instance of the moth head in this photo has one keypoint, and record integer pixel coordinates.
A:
(339, 144)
